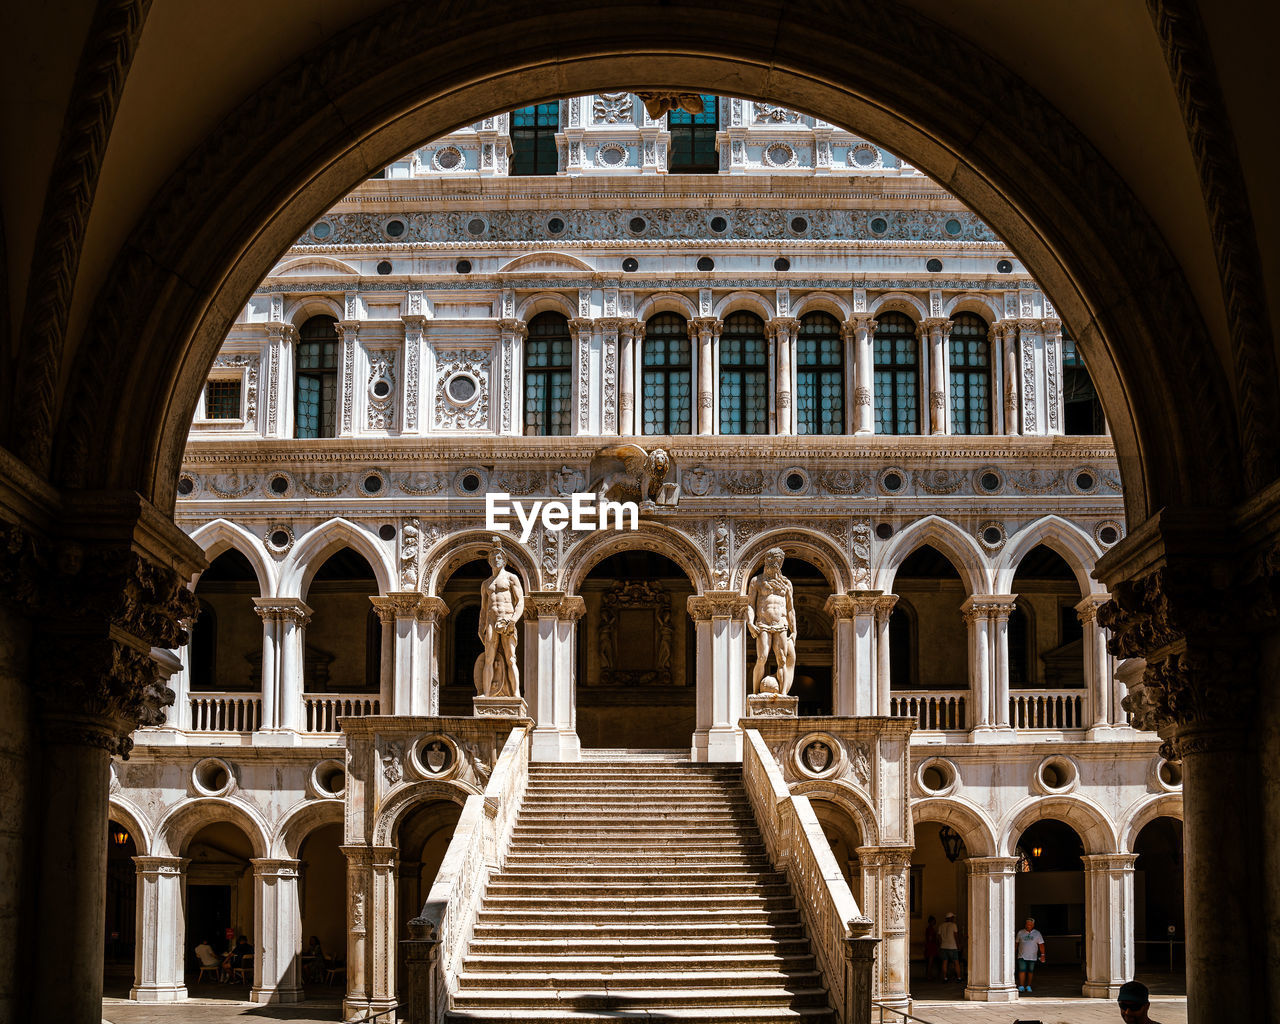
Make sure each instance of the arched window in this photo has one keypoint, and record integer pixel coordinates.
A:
(820, 375)
(693, 139)
(1081, 408)
(533, 137)
(970, 375)
(897, 369)
(744, 375)
(316, 379)
(548, 367)
(667, 375)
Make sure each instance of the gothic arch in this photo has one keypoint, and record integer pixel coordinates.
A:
(826, 302)
(666, 302)
(135, 823)
(655, 537)
(221, 535)
(970, 821)
(311, 550)
(1088, 819)
(447, 555)
(406, 799)
(846, 797)
(899, 302)
(752, 302)
(960, 548)
(292, 830)
(1067, 539)
(181, 823)
(545, 302)
(1158, 805)
(812, 547)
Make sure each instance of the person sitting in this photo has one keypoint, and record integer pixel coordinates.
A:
(209, 960)
(240, 958)
(313, 961)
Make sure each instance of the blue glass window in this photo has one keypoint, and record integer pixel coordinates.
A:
(744, 375)
(533, 138)
(548, 367)
(820, 375)
(315, 412)
(693, 139)
(970, 375)
(667, 381)
(897, 371)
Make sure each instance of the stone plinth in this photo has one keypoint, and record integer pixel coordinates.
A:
(500, 707)
(772, 705)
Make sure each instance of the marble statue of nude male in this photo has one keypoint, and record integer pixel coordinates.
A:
(501, 606)
(771, 619)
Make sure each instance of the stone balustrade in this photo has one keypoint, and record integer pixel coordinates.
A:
(1047, 709)
(322, 710)
(226, 712)
(932, 709)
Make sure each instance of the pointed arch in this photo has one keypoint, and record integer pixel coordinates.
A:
(1090, 821)
(666, 302)
(960, 549)
(180, 825)
(655, 537)
(753, 302)
(455, 550)
(975, 828)
(805, 544)
(1159, 805)
(221, 535)
(545, 302)
(902, 302)
(120, 809)
(1074, 545)
(292, 830)
(312, 549)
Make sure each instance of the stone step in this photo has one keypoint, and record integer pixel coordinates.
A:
(654, 999)
(629, 962)
(737, 946)
(711, 873)
(695, 1015)
(684, 928)
(686, 861)
(604, 917)
(626, 904)
(639, 834)
(679, 888)
(611, 981)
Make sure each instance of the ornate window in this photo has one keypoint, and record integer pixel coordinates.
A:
(548, 372)
(667, 381)
(820, 375)
(533, 136)
(744, 375)
(316, 376)
(1081, 409)
(222, 399)
(970, 375)
(897, 375)
(693, 139)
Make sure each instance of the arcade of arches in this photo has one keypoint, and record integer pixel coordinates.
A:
(162, 180)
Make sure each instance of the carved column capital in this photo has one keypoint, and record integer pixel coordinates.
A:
(270, 867)
(717, 604)
(432, 609)
(989, 606)
(855, 602)
(863, 323)
(784, 327)
(512, 327)
(283, 609)
(705, 326)
(580, 325)
(399, 604)
(1087, 609)
(884, 606)
(542, 604)
(937, 326)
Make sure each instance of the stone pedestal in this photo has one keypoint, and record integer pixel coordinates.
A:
(278, 931)
(500, 707)
(772, 705)
(158, 958)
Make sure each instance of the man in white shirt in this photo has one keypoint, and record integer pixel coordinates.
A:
(208, 958)
(949, 944)
(1030, 946)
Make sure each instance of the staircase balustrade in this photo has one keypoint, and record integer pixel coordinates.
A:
(839, 932)
(441, 934)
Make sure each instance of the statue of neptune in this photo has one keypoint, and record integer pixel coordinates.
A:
(501, 606)
(771, 619)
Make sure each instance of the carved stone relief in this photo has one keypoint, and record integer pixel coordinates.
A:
(451, 414)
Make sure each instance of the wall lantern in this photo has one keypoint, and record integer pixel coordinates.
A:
(1036, 851)
(952, 843)
(119, 836)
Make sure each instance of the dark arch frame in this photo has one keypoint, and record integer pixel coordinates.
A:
(360, 100)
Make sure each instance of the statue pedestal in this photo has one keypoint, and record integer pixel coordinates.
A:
(500, 707)
(772, 705)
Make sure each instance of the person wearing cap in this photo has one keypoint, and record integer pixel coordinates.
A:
(949, 946)
(1028, 941)
(1135, 1003)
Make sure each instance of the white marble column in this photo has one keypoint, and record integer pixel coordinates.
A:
(783, 331)
(855, 681)
(159, 930)
(277, 925)
(884, 678)
(410, 627)
(864, 388)
(1109, 933)
(977, 623)
(939, 329)
(720, 622)
(705, 330)
(284, 622)
(991, 929)
(988, 619)
(511, 393)
(383, 928)
(1005, 335)
(1098, 679)
(631, 339)
(1000, 609)
(359, 886)
(890, 868)
(425, 697)
(550, 663)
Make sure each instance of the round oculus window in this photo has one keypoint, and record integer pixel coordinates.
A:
(892, 482)
(1004, 266)
(1108, 535)
(637, 224)
(395, 228)
(471, 483)
(953, 227)
(476, 226)
(782, 263)
(795, 481)
(463, 266)
(186, 485)
(448, 158)
(384, 267)
(989, 482)
(879, 225)
(1086, 481)
(381, 388)
(555, 225)
(864, 156)
(799, 225)
(933, 266)
(719, 224)
(462, 388)
(630, 264)
(884, 531)
(279, 484)
(279, 539)
(706, 263)
(612, 155)
(387, 532)
(321, 229)
(992, 535)
(372, 484)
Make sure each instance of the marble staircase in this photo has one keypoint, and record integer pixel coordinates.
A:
(637, 887)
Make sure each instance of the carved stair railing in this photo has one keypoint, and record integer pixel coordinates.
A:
(838, 931)
(440, 935)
